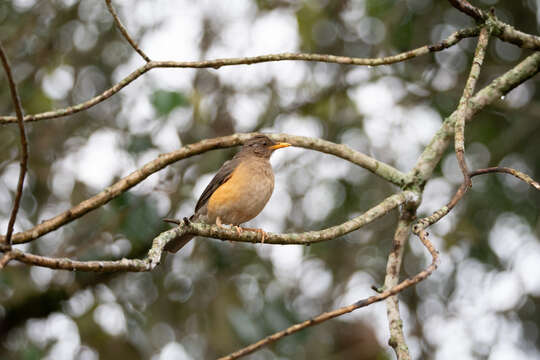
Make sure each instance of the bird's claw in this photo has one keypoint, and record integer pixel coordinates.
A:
(263, 234)
(238, 229)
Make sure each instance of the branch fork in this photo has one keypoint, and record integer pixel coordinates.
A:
(455, 124)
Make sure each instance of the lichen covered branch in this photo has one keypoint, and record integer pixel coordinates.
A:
(346, 309)
(379, 168)
(463, 107)
(433, 153)
(155, 253)
(217, 63)
(397, 338)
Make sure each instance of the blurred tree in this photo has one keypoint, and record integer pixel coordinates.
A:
(213, 297)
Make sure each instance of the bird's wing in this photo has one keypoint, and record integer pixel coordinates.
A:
(219, 179)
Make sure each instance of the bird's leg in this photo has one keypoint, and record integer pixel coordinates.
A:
(218, 222)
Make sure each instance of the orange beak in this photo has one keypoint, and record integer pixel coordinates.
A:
(279, 146)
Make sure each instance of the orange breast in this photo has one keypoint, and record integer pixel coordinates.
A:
(244, 195)
(230, 191)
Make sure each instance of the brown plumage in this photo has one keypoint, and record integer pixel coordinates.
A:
(240, 189)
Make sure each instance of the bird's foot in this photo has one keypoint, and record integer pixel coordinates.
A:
(221, 225)
(238, 229)
(261, 232)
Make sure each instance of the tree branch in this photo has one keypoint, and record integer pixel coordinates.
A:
(523, 177)
(434, 151)
(75, 265)
(124, 32)
(379, 168)
(6, 241)
(455, 124)
(346, 309)
(155, 253)
(466, 7)
(463, 107)
(7, 257)
(500, 29)
(393, 267)
(432, 154)
(420, 227)
(422, 224)
(446, 43)
(510, 34)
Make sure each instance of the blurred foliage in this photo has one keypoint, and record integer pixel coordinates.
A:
(215, 297)
(166, 101)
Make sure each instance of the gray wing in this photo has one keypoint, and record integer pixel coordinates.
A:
(219, 179)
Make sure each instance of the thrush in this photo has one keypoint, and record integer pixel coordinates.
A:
(239, 191)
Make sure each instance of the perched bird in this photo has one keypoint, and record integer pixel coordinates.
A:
(239, 191)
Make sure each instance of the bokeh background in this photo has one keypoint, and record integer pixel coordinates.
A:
(215, 297)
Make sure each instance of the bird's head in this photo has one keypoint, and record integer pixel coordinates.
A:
(262, 146)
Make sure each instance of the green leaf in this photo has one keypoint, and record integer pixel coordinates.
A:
(166, 101)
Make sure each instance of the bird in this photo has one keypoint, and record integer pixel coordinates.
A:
(239, 190)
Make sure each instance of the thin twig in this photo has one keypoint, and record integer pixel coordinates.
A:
(424, 223)
(379, 168)
(420, 227)
(7, 257)
(124, 32)
(511, 35)
(524, 177)
(433, 153)
(465, 7)
(500, 29)
(503, 31)
(446, 43)
(393, 267)
(24, 146)
(75, 265)
(463, 107)
(155, 253)
(346, 309)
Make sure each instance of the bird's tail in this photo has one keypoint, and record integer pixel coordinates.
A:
(176, 244)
